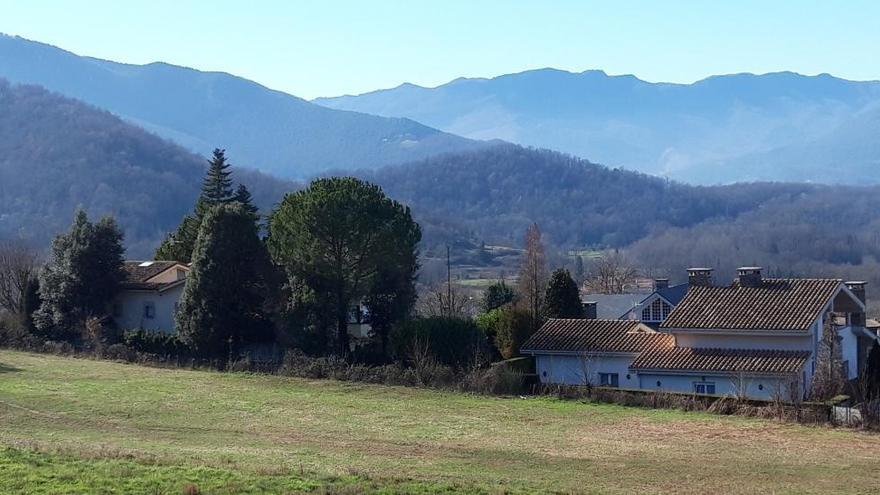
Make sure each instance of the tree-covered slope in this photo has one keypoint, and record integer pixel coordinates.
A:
(497, 192)
(57, 154)
(261, 128)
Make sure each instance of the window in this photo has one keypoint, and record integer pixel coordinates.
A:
(608, 379)
(704, 387)
(149, 310)
(658, 310)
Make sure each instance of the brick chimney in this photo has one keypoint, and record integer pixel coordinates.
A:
(590, 311)
(700, 277)
(857, 287)
(750, 276)
(661, 283)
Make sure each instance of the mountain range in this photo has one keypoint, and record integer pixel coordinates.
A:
(57, 154)
(260, 128)
(730, 128)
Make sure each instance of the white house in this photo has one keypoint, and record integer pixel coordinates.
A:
(149, 296)
(755, 337)
(599, 352)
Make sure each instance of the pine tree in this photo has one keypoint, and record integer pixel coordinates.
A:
(222, 303)
(337, 236)
(497, 295)
(533, 276)
(216, 189)
(562, 299)
(243, 196)
(217, 186)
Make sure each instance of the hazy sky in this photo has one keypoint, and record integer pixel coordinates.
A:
(327, 48)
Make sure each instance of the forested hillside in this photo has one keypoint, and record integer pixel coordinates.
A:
(663, 226)
(57, 154)
(497, 192)
(261, 128)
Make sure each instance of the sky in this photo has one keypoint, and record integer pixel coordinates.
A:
(329, 48)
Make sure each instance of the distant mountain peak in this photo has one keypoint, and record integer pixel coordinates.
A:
(700, 131)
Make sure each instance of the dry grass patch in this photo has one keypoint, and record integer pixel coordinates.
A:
(256, 427)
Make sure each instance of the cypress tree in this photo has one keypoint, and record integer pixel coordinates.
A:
(82, 276)
(222, 303)
(562, 299)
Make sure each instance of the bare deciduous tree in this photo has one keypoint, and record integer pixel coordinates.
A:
(610, 274)
(829, 379)
(533, 275)
(446, 300)
(18, 268)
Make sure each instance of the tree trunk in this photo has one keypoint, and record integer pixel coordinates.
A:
(342, 328)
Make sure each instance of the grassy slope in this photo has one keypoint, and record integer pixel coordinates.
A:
(70, 425)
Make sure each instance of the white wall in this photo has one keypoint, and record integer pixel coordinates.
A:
(569, 370)
(850, 351)
(131, 304)
(756, 387)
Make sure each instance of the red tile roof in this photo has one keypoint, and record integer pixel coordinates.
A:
(139, 272)
(582, 335)
(778, 304)
(722, 360)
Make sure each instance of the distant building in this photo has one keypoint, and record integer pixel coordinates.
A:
(651, 308)
(149, 296)
(755, 337)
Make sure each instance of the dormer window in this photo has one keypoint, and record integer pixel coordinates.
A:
(657, 311)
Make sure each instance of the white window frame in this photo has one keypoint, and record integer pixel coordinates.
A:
(656, 311)
(609, 379)
(705, 388)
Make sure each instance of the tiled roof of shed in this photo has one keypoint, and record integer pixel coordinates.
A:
(722, 360)
(582, 335)
(778, 304)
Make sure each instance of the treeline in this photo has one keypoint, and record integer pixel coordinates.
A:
(336, 247)
(335, 254)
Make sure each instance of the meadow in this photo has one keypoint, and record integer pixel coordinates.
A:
(83, 426)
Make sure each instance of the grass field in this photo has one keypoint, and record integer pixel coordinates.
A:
(81, 426)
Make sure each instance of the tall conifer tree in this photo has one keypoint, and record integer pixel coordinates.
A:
(216, 189)
(562, 299)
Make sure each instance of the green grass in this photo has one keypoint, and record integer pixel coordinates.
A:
(81, 426)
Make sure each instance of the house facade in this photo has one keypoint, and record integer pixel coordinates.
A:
(149, 296)
(756, 337)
